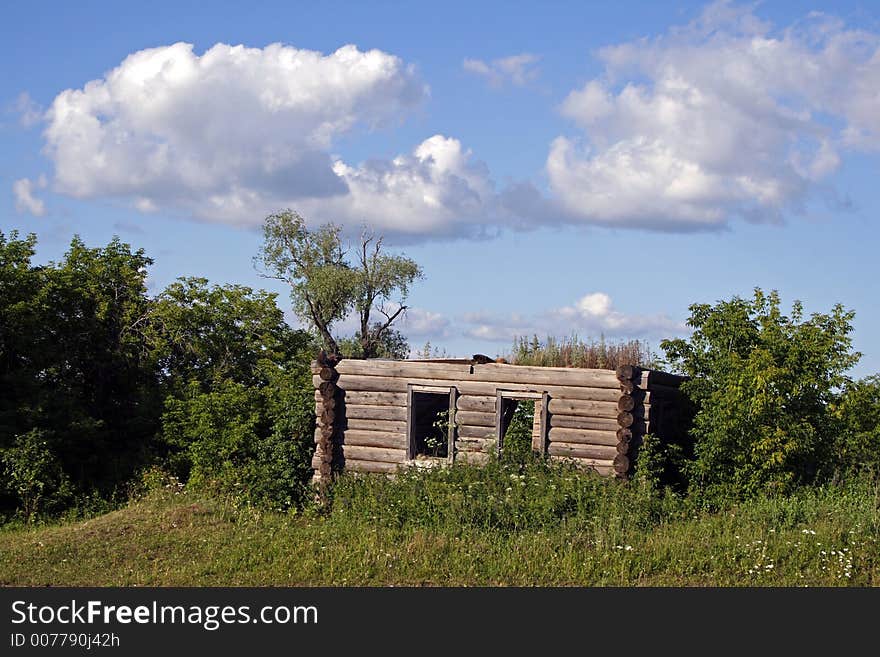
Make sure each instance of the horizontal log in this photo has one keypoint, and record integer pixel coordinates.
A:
(357, 465)
(621, 464)
(475, 419)
(623, 447)
(326, 388)
(490, 372)
(470, 431)
(650, 378)
(472, 458)
(366, 412)
(583, 422)
(388, 426)
(583, 436)
(584, 408)
(349, 382)
(558, 376)
(601, 452)
(359, 398)
(474, 445)
(366, 438)
(404, 369)
(602, 466)
(479, 403)
(383, 454)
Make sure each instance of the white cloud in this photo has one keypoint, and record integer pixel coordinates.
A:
(723, 118)
(228, 135)
(517, 70)
(418, 322)
(433, 190)
(29, 111)
(591, 314)
(25, 201)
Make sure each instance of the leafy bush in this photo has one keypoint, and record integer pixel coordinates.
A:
(762, 382)
(858, 415)
(34, 475)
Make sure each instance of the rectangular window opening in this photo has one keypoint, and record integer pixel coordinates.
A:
(521, 424)
(429, 424)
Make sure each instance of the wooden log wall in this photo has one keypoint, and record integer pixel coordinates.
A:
(595, 417)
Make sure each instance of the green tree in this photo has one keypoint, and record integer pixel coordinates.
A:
(380, 279)
(762, 382)
(325, 286)
(239, 405)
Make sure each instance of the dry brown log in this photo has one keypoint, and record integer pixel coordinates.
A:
(327, 432)
(604, 466)
(328, 374)
(388, 426)
(326, 388)
(601, 452)
(624, 433)
(356, 465)
(383, 454)
(329, 403)
(626, 403)
(583, 408)
(465, 386)
(470, 431)
(625, 419)
(627, 372)
(365, 438)
(353, 411)
(583, 436)
(582, 422)
(362, 398)
(327, 417)
(475, 418)
(623, 447)
(479, 403)
(621, 464)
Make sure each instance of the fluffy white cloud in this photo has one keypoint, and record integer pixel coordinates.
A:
(227, 135)
(25, 201)
(725, 117)
(433, 190)
(592, 314)
(418, 322)
(515, 69)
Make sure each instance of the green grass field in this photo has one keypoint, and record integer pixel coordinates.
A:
(502, 525)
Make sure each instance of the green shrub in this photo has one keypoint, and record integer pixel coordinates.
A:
(33, 473)
(762, 382)
(858, 413)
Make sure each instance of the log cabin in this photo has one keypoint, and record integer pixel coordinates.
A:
(381, 415)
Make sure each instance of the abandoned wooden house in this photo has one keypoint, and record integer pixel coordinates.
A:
(381, 415)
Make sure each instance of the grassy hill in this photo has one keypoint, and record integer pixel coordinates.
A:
(465, 526)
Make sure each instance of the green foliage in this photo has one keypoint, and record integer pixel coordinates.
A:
(858, 414)
(575, 352)
(325, 287)
(391, 344)
(762, 382)
(33, 473)
(239, 408)
(312, 262)
(517, 445)
(75, 364)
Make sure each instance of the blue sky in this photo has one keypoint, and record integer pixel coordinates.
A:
(555, 167)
